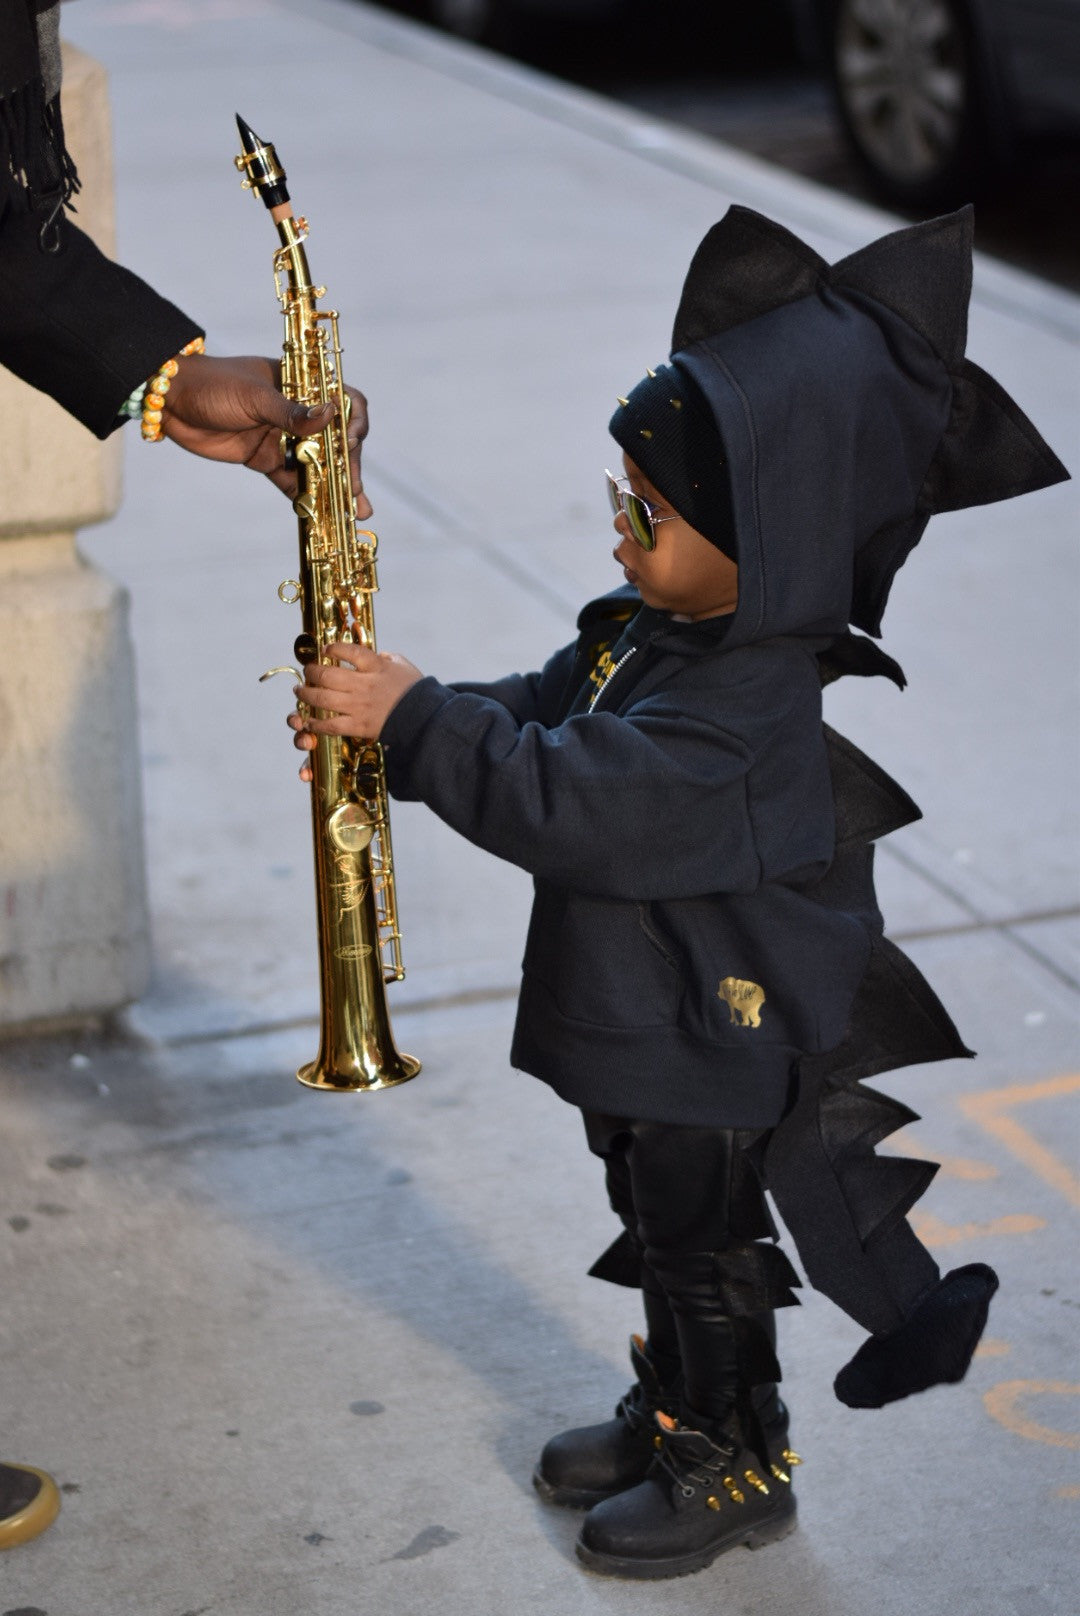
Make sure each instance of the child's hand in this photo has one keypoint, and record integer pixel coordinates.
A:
(353, 695)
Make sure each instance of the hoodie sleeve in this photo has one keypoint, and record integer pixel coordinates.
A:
(649, 805)
(529, 697)
(518, 693)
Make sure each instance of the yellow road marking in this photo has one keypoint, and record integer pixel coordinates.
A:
(1002, 1403)
(990, 1348)
(933, 1231)
(988, 1110)
(951, 1166)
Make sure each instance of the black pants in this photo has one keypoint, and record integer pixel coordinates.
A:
(694, 1209)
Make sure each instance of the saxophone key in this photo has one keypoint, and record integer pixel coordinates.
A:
(349, 829)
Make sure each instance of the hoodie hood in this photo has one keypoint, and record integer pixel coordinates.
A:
(847, 411)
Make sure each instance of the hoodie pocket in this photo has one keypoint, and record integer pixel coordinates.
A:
(602, 961)
(729, 997)
(771, 968)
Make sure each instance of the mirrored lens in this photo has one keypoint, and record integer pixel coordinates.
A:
(637, 512)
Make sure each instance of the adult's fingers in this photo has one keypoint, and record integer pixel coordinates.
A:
(355, 433)
(357, 429)
(287, 481)
(299, 420)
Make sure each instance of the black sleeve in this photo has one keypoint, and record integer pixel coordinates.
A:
(648, 805)
(517, 693)
(78, 326)
(530, 697)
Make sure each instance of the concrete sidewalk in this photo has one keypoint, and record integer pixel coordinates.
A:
(294, 1355)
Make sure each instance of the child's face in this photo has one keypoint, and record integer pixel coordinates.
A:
(684, 573)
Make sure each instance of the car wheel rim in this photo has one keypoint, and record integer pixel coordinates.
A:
(902, 76)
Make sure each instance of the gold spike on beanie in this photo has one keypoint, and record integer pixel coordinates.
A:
(667, 430)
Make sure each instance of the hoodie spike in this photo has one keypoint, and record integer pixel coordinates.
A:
(989, 450)
(869, 804)
(923, 274)
(746, 266)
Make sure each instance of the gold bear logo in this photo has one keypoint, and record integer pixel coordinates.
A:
(743, 999)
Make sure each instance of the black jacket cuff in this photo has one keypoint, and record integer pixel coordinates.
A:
(78, 326)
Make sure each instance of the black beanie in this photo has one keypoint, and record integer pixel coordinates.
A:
(668, 432)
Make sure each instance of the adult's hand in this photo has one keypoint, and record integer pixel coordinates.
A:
(231, 409)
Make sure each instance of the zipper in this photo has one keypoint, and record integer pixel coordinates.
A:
(610, 675)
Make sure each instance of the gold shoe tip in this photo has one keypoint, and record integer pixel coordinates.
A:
(37, 1516)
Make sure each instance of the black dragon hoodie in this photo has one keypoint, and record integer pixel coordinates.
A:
(705, 945)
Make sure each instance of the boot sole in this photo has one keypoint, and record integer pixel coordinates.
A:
(758, 1536)
(573, 1497)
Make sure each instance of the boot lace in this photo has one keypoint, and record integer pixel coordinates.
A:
(689, 1474)
(637, 1408)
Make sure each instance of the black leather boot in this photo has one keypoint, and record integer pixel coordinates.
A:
(581, 1467)
(706, 1492)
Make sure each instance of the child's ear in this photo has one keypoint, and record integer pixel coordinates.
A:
(746, 266)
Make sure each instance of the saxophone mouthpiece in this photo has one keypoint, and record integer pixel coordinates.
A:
(259, 164)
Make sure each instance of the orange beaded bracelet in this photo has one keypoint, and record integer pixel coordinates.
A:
(158, 386)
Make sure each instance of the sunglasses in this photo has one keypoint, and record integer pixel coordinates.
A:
(638, 511)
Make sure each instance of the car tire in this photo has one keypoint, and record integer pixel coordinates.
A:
(911, 91)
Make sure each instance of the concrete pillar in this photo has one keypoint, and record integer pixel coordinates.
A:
(74, 933)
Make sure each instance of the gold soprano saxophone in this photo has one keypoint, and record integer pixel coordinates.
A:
(359, 940)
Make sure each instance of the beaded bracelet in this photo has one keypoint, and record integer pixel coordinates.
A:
(153, 401)
(131, 408)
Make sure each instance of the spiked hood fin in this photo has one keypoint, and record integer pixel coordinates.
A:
(848, 412)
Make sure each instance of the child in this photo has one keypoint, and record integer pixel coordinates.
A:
(705, 973)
